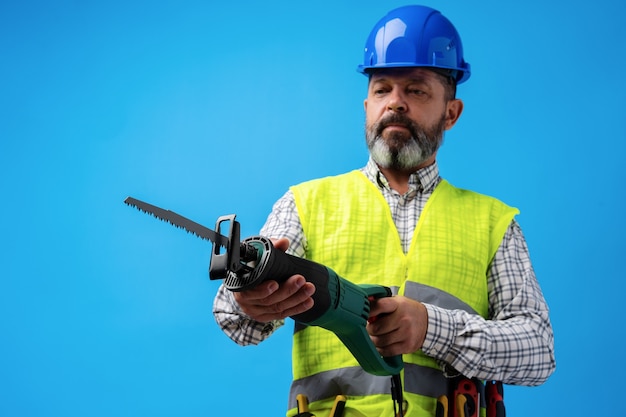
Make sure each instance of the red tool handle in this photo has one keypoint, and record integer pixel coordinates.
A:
(466, 395)
(494, 391)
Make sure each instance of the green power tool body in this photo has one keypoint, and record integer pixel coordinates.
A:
(340, 306)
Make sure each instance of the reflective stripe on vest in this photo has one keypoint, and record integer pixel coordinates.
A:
(436, 297)
(355, 381)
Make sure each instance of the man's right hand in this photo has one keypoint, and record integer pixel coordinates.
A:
(270, 301)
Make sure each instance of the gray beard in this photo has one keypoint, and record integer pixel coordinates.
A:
(397, 151)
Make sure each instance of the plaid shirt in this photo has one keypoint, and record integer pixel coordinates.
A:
(516, 344)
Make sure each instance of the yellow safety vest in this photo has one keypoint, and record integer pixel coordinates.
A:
(349, 228)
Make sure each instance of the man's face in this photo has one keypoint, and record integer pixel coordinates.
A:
(406, 114)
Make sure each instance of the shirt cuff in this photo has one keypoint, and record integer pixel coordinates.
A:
(440, 333)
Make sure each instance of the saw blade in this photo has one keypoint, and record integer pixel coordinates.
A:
(179, 221)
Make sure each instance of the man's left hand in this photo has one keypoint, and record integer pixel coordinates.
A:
(397, 325)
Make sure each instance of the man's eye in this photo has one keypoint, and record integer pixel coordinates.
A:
(416, 91)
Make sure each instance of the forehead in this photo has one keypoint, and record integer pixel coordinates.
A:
(404, 75)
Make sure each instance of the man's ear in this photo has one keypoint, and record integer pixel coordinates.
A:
(365, 104)
(454, 108)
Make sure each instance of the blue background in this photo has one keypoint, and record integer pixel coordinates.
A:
(212, 108)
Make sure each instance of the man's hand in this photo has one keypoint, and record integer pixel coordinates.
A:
(397, 325)
(270, 301)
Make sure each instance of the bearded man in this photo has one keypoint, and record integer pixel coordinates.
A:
(465, 301)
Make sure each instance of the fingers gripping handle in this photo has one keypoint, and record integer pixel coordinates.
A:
(392, 364)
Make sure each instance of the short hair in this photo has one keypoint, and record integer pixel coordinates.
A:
(448, 80)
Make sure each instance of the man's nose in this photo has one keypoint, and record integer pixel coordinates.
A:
(397, 102)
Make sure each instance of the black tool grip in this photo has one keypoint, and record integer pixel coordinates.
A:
(274, 264)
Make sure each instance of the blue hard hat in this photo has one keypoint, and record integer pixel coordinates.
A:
(415, 36)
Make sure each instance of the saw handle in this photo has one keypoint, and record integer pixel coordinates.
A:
(352, 330)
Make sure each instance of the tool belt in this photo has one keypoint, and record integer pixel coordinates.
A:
(466, 397)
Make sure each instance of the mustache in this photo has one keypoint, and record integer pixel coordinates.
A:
(396, 119)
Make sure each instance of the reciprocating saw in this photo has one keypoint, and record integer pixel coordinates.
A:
(339, 305)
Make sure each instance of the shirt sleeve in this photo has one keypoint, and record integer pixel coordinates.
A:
(283, 221)
(516, 344)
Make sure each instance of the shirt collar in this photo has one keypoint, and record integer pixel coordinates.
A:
(424, 179)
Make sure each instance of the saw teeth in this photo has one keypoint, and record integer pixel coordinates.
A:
(179, 222)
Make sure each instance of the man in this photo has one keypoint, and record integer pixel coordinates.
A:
(466, 298)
